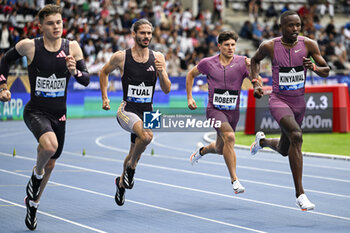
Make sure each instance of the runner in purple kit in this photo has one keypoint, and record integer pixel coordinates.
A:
(290, 56)
(225, 73)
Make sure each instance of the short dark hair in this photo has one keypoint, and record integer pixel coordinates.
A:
(135, 27)
(226, 35)
(49, 9)
(286, 14)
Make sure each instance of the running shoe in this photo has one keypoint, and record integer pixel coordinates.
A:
(33, 188)
(128, 179)
(120, 194)
(196, 156)
(304, 204)
(237, 187)
(30, 220)
(255, 147)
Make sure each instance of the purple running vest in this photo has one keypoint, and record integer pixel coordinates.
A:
(288, 72)
(224, 78)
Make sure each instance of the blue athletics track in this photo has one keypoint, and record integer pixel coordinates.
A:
(170, 195)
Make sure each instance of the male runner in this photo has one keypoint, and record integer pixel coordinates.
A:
(225, 73)
(139, 68)
(290, 57)
(52, 60)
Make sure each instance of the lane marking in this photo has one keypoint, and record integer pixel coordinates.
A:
(184, 188)
(53, 216)
(128, 200)
(216, 163)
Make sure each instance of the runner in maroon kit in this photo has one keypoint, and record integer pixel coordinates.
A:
(225, 73)
(290, 56)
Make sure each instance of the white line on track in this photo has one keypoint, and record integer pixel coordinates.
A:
(257, 158)
(98, 142)
(203, 174)
(131, 201)
(50, 215)
(175, 186)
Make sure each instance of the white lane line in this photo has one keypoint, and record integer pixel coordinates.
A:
(51, 215)
(98, 142)
(192, 189)
(258, 158)
(204, 174)
(154, 142)
(134, 202)
(186, 172)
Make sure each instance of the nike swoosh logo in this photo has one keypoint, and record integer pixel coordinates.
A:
(297, 51)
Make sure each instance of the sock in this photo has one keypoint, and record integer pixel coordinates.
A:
(39, 177)
(33, 204)
(200, 150)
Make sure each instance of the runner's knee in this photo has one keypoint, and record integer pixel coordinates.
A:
(146, 137)
(296, 137)
(49, 148)
(229, 137)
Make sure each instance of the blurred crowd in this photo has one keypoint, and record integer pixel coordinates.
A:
(103, 27)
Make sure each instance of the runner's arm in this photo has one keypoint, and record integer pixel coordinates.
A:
(116, 61)
(164, 80)
(23, 48)
(320, 66)
(76, 64)
(189, 84)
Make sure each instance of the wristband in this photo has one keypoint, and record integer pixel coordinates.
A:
(313, 66)
(79, 74)
(254, 80)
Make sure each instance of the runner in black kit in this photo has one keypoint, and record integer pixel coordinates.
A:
(52, 60)
(139, 67)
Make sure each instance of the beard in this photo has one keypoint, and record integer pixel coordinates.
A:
(140, 42)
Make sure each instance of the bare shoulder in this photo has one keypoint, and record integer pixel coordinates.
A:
(25, 47)
(74, 44)
(267, 44)
(309, 42)
(118, 56)
(75, 50)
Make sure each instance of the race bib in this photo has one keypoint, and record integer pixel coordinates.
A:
(225, 99)
(291, 78)
(51, 87)
(140, 93)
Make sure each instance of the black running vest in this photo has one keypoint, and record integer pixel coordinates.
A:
(49, 77)
(139, 80)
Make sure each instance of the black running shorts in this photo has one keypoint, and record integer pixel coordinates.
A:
(40, 122)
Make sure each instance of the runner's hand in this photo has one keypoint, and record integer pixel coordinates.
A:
(71, 64)
(258, 91)
(5, 95)
(159, 65)
(105, 104)
(308, 63)
(191, 104)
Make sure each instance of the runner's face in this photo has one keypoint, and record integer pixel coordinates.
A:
(227, 48)
(52, 26)
(291, 26)
(143, 36)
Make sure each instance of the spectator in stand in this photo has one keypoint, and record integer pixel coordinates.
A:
(324, 4)
(217, 9)
(271, 12)
(246, 30)
(6, 40)
(285, 8)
